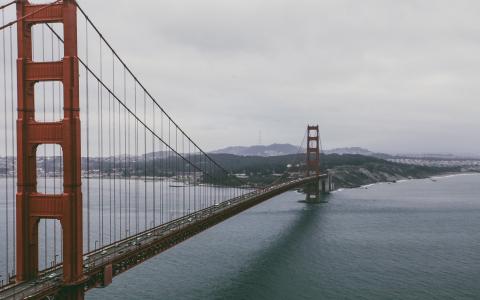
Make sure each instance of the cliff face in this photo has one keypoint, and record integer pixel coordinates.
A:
(348, 170)
(348, 176)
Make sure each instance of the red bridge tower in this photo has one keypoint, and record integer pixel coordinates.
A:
(313, 151)
(32, 205)
(323, 185)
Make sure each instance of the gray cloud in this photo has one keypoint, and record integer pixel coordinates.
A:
(396, 76)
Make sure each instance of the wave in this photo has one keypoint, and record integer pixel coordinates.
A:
(454, 175)
(368, 185)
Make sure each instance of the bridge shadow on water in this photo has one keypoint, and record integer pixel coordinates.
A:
(257, 279)
(322, 199)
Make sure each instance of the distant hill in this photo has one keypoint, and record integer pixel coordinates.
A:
(357, 151)
(348, 170)
(286, 149)
(259, 150)
(432, 156)
(350, 150)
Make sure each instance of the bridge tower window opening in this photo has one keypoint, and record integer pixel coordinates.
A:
(48, 101)
(41, 1)
(50, 239)
(46, 40)
(49, 169)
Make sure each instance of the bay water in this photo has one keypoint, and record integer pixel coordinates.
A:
(416, 239)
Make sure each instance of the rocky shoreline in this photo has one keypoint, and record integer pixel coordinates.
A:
(357, 176)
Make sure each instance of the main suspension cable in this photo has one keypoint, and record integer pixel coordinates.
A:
(148, 93)
(27, 15)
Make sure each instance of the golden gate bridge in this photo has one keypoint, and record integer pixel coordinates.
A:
(95, 176)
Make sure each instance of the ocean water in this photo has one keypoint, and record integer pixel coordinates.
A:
(112, 209)
(417, 239)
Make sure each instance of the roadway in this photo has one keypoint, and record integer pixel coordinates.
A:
(120, 253)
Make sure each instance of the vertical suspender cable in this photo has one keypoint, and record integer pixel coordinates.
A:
(137, 221)
(162, 168)
(60, 105)
(169, 198)
(183, 174)
(54, 163)
(145, 158)
(125, 170)
(189, 178)
(177, 203)
(99, 163)
(129, 174)
(154, 167)
(119, 167)
(13, 145)
(101, 157)
(195, 179)
(109, 167)
(114, 170)
(87, 98)
(44, 151)
(6, 150)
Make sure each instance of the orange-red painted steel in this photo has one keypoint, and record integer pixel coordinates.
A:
(31, 205)
(313, 150)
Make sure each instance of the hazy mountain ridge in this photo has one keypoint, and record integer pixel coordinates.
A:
(287, 149)
(260, 150)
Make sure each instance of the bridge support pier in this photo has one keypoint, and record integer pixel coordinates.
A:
(312, 192)
(326, 184)
(315, 190)
(72, 293)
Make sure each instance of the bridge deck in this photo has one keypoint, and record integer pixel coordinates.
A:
(132, 251)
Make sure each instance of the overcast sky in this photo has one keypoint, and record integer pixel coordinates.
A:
(388, 75)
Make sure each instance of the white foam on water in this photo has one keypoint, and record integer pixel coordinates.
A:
(368, 185)
(406, 180)
(454, 175)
